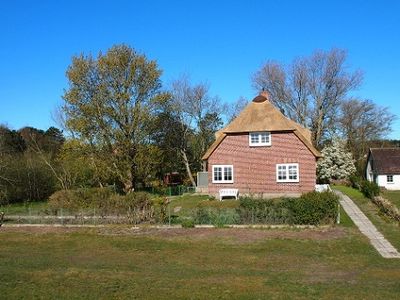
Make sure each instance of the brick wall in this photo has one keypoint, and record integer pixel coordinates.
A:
(255, 167)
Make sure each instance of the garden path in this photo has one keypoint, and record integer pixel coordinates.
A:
(382, 245)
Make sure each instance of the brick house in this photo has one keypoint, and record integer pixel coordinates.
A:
(262, 152)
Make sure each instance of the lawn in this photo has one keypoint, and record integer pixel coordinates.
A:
(123, 263)
(389, 228)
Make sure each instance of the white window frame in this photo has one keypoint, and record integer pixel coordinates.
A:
(259, 142)
(287, 172)
(223, 168)
(387, 179)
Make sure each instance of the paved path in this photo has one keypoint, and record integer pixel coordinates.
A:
(383, 246)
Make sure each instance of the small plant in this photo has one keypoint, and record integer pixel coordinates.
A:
(370, 189)
(187, 223)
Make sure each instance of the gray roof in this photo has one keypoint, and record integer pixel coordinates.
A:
(385, 160)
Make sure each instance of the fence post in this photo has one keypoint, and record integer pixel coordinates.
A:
(338, 215)
(169, 214)
(62, 220)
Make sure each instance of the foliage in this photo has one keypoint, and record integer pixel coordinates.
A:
(314, 208)
(109, 105)
(187, 222)
(310, 209)
(370, 189)
(336, 164)
(387, 208)
(219, 217)
(138, 207)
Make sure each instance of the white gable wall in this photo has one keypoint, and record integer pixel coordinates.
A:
(381, 180)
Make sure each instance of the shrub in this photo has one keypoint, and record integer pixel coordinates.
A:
(314, 208)
(137, 207)
(265, 211)
(369, 189)
(187, 223)
(387, 208)
(356, 182)
(217, 217)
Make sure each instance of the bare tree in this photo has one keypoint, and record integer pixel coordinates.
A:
(198, 115)
(311, 89)
(362, 121)
(232, 110)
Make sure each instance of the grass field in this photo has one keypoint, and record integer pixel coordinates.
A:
(118, 262)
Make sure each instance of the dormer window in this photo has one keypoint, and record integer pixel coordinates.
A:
(262, 138)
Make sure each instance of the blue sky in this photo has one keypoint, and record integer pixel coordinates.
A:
(220, 42)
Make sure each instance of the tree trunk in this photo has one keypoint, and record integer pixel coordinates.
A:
(187, 166)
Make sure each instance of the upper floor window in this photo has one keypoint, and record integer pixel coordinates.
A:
(222, 174)
(389, 178)
(260, 138)
(287, 172)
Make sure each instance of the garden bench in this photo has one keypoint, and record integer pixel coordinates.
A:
(322, 188)
(228, 193)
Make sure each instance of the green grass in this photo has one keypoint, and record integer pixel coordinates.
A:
(393, 196)
(25, 208)
(386, 226)
(200, 264)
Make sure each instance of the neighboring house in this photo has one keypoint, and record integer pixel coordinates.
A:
(383, 167)
(262, 152)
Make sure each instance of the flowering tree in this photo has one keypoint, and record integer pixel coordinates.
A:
(337, 163)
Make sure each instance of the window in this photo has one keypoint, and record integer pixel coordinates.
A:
(389, 178)
(260, 138)
(222, 174)
(287, 172)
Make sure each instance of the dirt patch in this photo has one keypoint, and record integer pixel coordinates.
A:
(240, 235)
(237, 235)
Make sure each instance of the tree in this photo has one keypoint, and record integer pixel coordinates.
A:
(109, 105)
(310, 90)
(362, 121)
(337, 162)
(234, 109)
(197, 115)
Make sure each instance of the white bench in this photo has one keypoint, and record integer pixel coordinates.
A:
(228, 193)
(322, 188)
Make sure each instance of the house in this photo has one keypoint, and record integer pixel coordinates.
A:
(262, 152)
(383, 167)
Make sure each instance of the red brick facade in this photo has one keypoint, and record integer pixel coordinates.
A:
(254, 168)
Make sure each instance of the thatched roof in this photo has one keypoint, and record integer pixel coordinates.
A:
(262, 115)
(385, 160)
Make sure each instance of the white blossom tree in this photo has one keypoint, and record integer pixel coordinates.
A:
(337, 163)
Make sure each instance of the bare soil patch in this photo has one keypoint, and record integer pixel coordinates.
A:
(237, 235)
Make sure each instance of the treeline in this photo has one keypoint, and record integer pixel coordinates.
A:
(24, 158)
(126, 128)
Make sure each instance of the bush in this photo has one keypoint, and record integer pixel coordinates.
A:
(137, 207)
(356, 182)
(264, 211)
(219, 217)
(370, 189)
(387, 208)
(187, 223)
(310, 209)
(314, 208)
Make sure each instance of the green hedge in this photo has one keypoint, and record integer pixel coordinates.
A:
(310, 209)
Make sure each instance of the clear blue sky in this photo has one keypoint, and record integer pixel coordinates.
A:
(221, 42)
